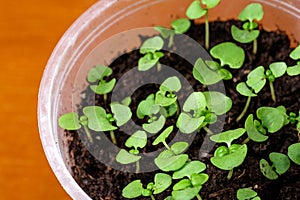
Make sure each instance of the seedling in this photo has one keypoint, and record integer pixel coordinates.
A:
(210, 72)
(151, 48)
(202, 108)
(247, 194)
(191, 181)
(96, 119)
(249, 33)
(99, 74)
(294, 153)
(135, 188)
(230, 156)
(135, 141)
(280, 164)
(257, 79)
(271, 121)
(196, 11)
(295, 55)
(148, 108)
(179, 26)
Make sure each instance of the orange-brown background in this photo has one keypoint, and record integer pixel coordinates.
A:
(29, 30)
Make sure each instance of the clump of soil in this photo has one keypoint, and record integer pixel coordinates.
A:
(102, 182)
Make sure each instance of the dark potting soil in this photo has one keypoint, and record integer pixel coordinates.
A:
(102, 182)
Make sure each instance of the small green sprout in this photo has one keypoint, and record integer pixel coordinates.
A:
(257, 79)
(294, 153)
(271, 121)
(166, 95)
(227, 158)
(135, 188)
(163, 136)
(280, 164)
(148, 108)
(179, 26)
(249, 33)
(150, 48)
(196, 11)
(98, 74)
(295, 55)
(202, 108)
(135, 141)
(247, 194)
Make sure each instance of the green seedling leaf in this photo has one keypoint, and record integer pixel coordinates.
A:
(163, 136)
(267, 170)
(69, 121)
(195, 10)
(253, 11)
(161, 182)
(126, 101)
(225, 74)
(229, 54)
(147, 107)
(228, 136)
(97, 119)
(125, 157)
(98, 73)
(182, 184)
(186, 194)
(187, 124)
(217, 102)
(193, 167)
(152, 45)
(250, 25)
(179, 147)
(245, 194)
(168, 161)
(165, 32)
(103, 87)
(243, 89)
(295, 54)
(252, 131)
(196, 101)
(162, 99)
(181, 25)
(271, 118)
(256, 79)
(137, 140)
(211, 3)
(133, 189)
(294, 153)
(155, 126)
(293, 70)
(278, 68)
(282, 110)
(243, 36)
(149, 60)
(199, 179)
(280, 161)
(122, 113)
(171, 84)
(204, 74)
(231, 160)
(170, 110)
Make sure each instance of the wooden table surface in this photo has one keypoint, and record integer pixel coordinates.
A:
(29, 30)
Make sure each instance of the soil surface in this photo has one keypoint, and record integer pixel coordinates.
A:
(102, 182)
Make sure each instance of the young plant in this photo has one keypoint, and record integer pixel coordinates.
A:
(295, 55)
(280, 164)
(210, 72)
(135, 188)
(246, 193)
(257, 79)
(151, 48)
(202, 108)
(134, 142)
(294, 153)
(271, 121)
(99, 74)
(230, 156)
(179, 26)
(249, 33)
(196, 11)
(191, 181)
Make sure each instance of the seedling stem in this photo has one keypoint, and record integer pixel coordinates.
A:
(137, 168)
(208, 131)
(105, 97)
(88, 133)
(206, 31)
(230, 174)
(113, 137)
(152, 197)
(255, 46)
(244, 110)
(166, 145)
(198, 197)
(272, 91)
(246, 140)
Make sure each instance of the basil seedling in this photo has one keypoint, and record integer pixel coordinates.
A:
(295, 55)
(294, 153)
(246, 193)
